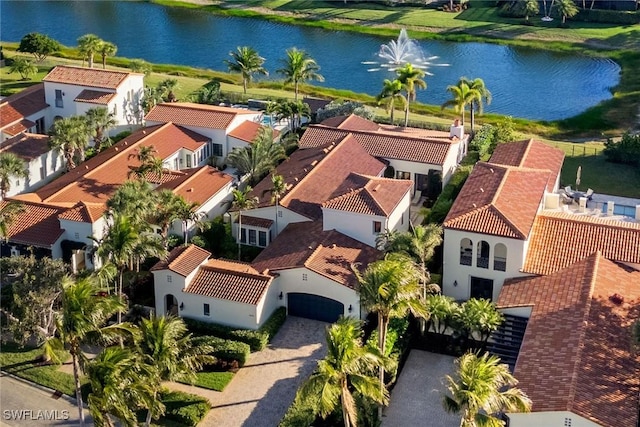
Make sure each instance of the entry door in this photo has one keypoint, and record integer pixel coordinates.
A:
(481, 288)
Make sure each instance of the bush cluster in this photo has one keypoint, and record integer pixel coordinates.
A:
(227, 351)
(608, 16)
(274, 323)
(626, 151)
(443, 204)
(185, 408)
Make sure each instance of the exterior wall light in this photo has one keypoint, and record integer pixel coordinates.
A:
(350, 309)
(280, 296)
(181, 306)
(455, 283)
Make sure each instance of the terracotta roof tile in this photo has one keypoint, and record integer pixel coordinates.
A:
(579, 338)
(379, 196)
(351, 122)
(559, 240)
(37, 226)
(18, 127)
(199, 184)
(91, 77)
(25, 103)
(230, 281)
(95, 97)
(84, 212)
(247, 131)
(27, 146)
(189, 114)
(183, 260)
(256, 222)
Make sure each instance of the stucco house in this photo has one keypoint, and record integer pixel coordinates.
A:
(25, 111)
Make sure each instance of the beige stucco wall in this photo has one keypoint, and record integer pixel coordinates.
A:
(549, 419)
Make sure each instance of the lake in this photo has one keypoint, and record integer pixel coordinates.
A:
(524, 82)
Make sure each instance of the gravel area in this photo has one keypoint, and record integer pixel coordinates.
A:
(416, 399)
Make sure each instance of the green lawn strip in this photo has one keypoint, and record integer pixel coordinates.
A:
(213, 380)
(602, 176)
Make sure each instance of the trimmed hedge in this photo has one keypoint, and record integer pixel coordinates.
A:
(185, 408)
(274, 323)
(443, 204)
(226, 350)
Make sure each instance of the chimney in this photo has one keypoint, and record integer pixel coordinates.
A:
(457, 130)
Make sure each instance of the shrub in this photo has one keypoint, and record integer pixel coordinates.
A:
(443, 204)
(199, 241)
(627, 150)
(185, 408)
(344, 108)
(257, 340)
(300, 413)
(483, 140)
(226, 350)
(274, 323)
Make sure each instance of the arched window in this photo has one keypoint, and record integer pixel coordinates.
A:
(466, 251)
(482, 260)
(500, 257)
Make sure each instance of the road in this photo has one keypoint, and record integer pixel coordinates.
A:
(25, 405)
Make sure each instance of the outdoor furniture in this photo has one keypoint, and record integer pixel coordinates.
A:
(588, 194)
(566, 199)
(577, 194)
(568, 190)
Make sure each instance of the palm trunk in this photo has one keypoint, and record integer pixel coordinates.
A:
(406, 112)
(104, 62)
(120, 280)
(76, 377)
(295, 91)
(184, 231)
(276, 217)
(147, 422)
(382, 340)
(392, 114)
(472, 114)
(345, 411)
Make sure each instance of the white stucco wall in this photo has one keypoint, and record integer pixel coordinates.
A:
(549, 419)
(524, 311)
(456, 152)
(413, 168)
(399, 218)
(355, 225)
(269, 212)
(220, 311)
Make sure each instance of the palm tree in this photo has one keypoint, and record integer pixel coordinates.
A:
(258, 158)
(165, 212)
(390, 95)
(293, 111)
(170, 354)
(84, 312)
(346, 367)
(70, 134)
(10, 166)
(411, 79)
(242, 202)
(88, 46)
(8, 214)
(478, 316)
(247, 62)
(277, 190)
(567, 9)
(107, 49)
(166, 88)
(442, 311)
(482, 389)
(462, 95)
(187, 212)
(531, 7)
(24, 67)
(100, 120)
(390, 287)
(298, 67)
(482, 95)
(134, 199)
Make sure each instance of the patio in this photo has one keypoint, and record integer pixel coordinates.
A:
(625, 209)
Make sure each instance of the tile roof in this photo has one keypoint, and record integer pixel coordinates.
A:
(255, 222)
(351, 122)
(27, 146)
(318, 174)
(499, 200)
(190, 114)
(230, 281)
(84, 212)
(328, 253)
(91, 77)
(25, 103)
(559, 240)
(580, 339)
(198, 185)
(183, 260)
(248, 130)
(95, 97)
(379, 196)
(37, 225)
(18, 127)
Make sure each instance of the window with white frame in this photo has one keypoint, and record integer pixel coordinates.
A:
(262, 238)
(217, 150)
(59, 101)
(252, 237)
(403, 175)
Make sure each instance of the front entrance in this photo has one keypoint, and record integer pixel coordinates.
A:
(171, 305)
(481, 288)
(430, 185)
(314, 307)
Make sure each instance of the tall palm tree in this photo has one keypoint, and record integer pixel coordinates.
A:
(165, 212)
(411, 79)
(346, 367)
(187, 212)
(9, 211)
(277, 190)
(482, 95)
(298, 67)
(247, 62)
(242, 202)
(390, 287)
(134, 199)
(462, 95)
(170, 354)
(531, 7)
(70, 135)
(24, 67)
(390, 95)
(482, 389)
(89, 45)
(107, 49)
(166, 88)
(100, 120)
(567, 9)
(11, 166)
(258, 158)
(293, 111)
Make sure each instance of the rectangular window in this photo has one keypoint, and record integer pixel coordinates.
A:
(252, 237)
(403, 175)
(77, 236)
(262, 238)
(175, 164)
(243, 235)
(43, 173)
(40, 126)
(304, 277)
(279, 214)
(402, 219)
(59, 102)
(115, 110)
(377, 226)
(169, 278)
(188, 160)
(207, 310)
(217, 150)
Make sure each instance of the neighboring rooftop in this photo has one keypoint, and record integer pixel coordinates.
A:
(197, 185)
(15, 108)
(84, 212)
(247, 131)
(27, 146)
(199, 115)
(91, 77)
(183, 260)
(95, 97)
(37, 225)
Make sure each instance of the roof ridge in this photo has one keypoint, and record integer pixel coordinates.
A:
(314, 253)
(384, 132)
(376, 201)
(235, 272)
(184, 253)
(526, 150)
(344, 195)
(508, 221)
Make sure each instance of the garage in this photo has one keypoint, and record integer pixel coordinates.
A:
(314, 307)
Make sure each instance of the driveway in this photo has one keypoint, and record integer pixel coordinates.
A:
(262, 391)
(416, 400)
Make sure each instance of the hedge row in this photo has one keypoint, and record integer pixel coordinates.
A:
(441, 207)
(274, 323)
(226, 350)
(185, 408)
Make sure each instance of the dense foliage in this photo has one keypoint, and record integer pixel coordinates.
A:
(227, 351)
(40, 45)
(627, 150)
(185, 408)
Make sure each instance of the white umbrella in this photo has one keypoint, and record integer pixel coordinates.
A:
(578, 177)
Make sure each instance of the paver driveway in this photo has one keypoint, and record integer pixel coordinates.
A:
(262, 391)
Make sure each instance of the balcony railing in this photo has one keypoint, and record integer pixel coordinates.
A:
(500, 264)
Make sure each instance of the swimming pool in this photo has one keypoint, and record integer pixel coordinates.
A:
(621, 210)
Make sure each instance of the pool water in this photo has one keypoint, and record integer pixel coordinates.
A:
(629, 211)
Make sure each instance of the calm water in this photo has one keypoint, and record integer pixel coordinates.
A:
(524, 82)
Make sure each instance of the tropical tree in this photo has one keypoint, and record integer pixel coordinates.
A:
(277, 190)
(140, 66)
(187, 212)
(11, 166)
(346, 367)
(391, 94)
(461, 96)
(293, 111)
(246, 61)
(9, 212)
(411, 79)
(70, 135)
(40, 45)
(88, 46)
(443, 311)
(135, 200)
(149, 163)
(242, 202)
(479, 317)
(531, 7)
(165, 212)
(208, 93)
(24, 67)
(298, 67)
(166, 88)
(170, 355)
(566, 9)
(258, 158)
(107, 49)
(391, 288)
(482, 95)
(482, 389)
(100, 120)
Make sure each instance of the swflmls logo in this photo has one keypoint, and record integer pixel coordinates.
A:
(37, 415)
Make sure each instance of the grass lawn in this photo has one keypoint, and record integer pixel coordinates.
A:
(213, 380)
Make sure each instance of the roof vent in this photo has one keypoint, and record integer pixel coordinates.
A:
(315, 162)
(481, 190)
(305, 169)
(86, 166)
(617, 299)
(116, 148)
(296, 179)
(333, 246)
(376, 188)
(474, 205)
(190, 190)
(491, 169)
(144, 132)
(126, 143)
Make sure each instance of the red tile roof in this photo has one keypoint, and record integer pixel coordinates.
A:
(25, 103)
(84, 212)
(91, 77)
(37, 226)
(190, 114)
(199, 184)
(247, 131)
(379, 196)
(559, 240)
(19, 127)
(255, 222)
(230, 281)
(328, 253)
(351, 122)
(183, 260)
(499, 200)
(95, 97)
(580, 340)
(27, 146)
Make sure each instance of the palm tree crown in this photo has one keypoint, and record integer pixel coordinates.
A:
(390, 95)
(70, 135)
(246, 61)
(89, 45)
(100, 120)
(298, 67)
(8, 214)
(10, 166)
(258, 158)
(107, 49)
(411, 78)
